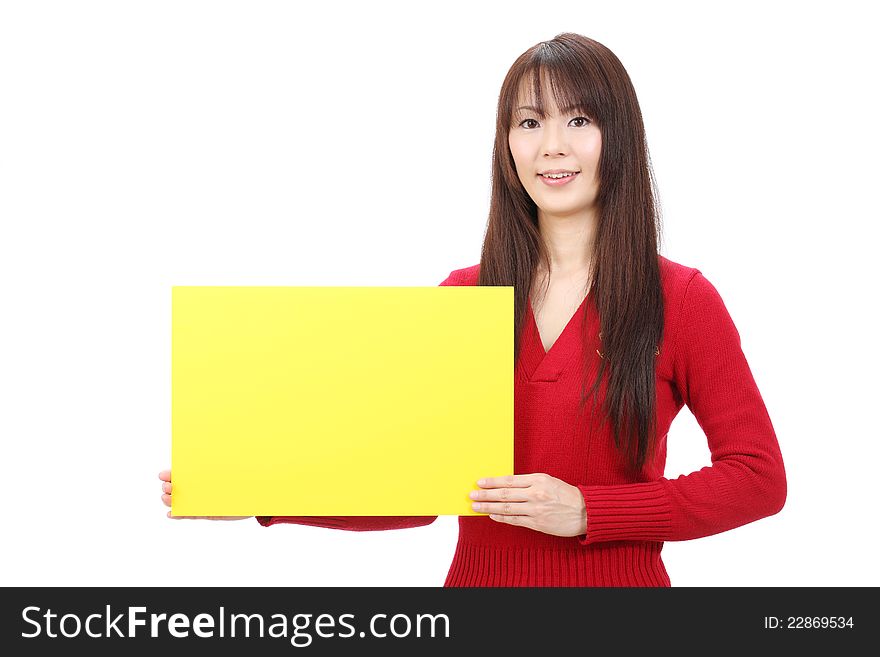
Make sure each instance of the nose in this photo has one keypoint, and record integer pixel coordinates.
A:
(554, 138)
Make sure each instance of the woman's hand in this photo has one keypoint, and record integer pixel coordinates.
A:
(537, 501)
(165, 476)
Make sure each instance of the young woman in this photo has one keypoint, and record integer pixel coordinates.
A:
(612, 339)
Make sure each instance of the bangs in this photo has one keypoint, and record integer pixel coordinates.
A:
(570, 86)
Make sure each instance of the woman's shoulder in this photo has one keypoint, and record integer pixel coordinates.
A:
(691, 300)
(675, 273)
(675, 278)
(465, 276)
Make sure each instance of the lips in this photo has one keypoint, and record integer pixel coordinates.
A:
(558, 182)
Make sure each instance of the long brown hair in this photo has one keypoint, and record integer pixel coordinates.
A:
(625, 283)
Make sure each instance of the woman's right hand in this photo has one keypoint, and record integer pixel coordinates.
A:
(165, 476)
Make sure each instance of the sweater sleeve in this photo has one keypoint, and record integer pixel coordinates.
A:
(357, 523)
(746, 480)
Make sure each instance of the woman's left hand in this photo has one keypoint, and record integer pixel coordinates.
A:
(537, 501)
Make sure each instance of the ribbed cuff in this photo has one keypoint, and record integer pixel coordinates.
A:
(628, 512)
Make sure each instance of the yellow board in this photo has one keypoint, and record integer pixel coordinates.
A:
(291, 401)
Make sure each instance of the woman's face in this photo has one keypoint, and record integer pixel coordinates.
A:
(566, 141)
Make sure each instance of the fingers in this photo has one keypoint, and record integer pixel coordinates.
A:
(510, 481)
(500, 495)
(165, 476)
(503, 495)
(504, 508)
(519, 521)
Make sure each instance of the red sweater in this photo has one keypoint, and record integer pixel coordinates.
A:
(701, 364)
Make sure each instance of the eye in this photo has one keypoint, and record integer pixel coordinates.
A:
(585, 123)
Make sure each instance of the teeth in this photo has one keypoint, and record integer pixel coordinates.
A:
(557, 175)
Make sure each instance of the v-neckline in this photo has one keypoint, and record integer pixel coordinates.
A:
(562, 334)
(540, 365)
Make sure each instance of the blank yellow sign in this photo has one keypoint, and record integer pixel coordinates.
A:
(339, 400)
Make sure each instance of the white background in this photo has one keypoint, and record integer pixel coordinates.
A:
(151, 144)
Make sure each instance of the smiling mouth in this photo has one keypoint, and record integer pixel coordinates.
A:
(558, 180)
